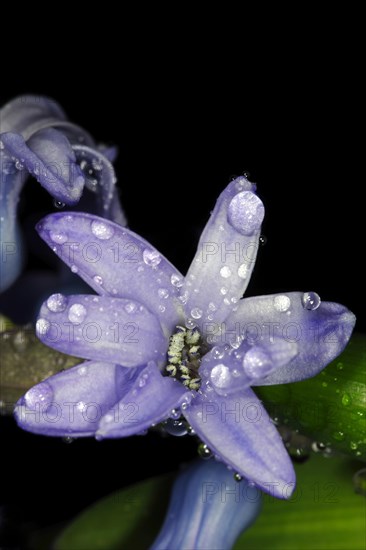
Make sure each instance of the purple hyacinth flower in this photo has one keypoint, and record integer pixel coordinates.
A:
(158, 343)
(208, 509)
(37, 139)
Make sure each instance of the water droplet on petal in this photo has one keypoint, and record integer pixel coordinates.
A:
(196, 313)
(175, 414)
(223, 290)
(256, 363)
(77, 313)
(151, 257)
(74, 269)
(176, 280)
(57, 303)
(163, 293)
(220, 376)
(41, 394)
(98, 280)
(58, 237)
(42, 326)
(19, 165)
(217, 353)
(101, 230)
(311, 300)
(281, 302)
(242, 271)
(245, 212)
(82, 371)
(225, 272)
(130, 307)
(346, 399)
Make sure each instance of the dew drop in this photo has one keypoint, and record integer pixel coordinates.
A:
(256, 363)
(217, 353)
(176, 280)
(237, 477)
(196, 313)
(82, 371)
(162, 308)
(353, 445)
(262, 240)
(98, 279)
(74, 269)
(245, 212)
(175, 414)
(57, 303)
(58, 237)
(346, 399)
(41, 394)
(101, 230)
(338, 436)
(18, 165)
(175, 427)
(223, 290)
(243, 271)
(281, 302)
(77, 313)
(163, 293)
(311, 300)
(42, 327)
(130, 307)
(58, 204)
(151, 257)
(225, 272)
(204, 451)
(67, 439)
(220, 376)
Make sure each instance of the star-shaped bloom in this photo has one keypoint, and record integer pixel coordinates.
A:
(37, 139)
(159, 345)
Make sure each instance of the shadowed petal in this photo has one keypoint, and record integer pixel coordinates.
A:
(321, 334)
(114, 261)
(48, 156)
(12, 254)
(28, 114)
(221, 269)
(208, 509)
(72, 402)
(239, 431)
(101, 328)
(149, 401)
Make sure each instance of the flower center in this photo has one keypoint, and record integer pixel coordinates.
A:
(184, 356)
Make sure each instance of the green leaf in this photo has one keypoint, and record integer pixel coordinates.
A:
(130, 518)
(324, 512)
(329, 408)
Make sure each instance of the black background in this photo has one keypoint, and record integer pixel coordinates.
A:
(185, 121)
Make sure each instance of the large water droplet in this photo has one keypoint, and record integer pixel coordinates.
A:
(57, 303)
(58, 237)
(220, 376)
(225, 272)
(42, 326)
(242, 271)
(281, 302)
(77, 313)
(151, 257)
(245, 212)
(311, 300)
(256, 363)
(41, 394)
(101, 230)
(175, 427)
